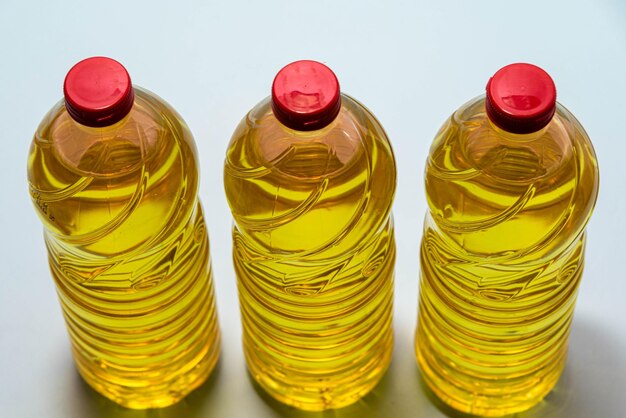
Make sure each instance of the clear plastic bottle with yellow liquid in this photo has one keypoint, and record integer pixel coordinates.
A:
(511, 181)
(113, 174)
(310, 178)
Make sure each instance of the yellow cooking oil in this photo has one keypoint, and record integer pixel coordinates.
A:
(128, 250)
(501, 258)
(314, 253)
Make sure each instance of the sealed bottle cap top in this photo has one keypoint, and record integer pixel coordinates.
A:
(305, 96)
(521, 98)
(98, 92)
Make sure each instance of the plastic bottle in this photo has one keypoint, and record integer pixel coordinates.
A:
(310, 179)
(113, 175)
(511, 181)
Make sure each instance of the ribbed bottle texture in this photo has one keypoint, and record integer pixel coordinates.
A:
(128, 250)
(314, 253)
(502, 258)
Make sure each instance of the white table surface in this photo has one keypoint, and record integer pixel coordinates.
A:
(411, 62)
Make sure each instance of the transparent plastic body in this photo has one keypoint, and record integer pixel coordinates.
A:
(128, 250)
(501, 258)
(314, 254)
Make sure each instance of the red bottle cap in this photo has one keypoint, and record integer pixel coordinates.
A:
(98, 92)
(305, 96)
(521, 98)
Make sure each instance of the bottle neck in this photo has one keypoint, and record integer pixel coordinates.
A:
(529, 137)
(101, 130)
(314, 134)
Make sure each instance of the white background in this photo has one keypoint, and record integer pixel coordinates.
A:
(411, 62)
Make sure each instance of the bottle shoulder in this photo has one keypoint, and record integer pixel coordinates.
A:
(485, 185)
(150, 127)
(281, 183)
(268, 143)
(116, 186)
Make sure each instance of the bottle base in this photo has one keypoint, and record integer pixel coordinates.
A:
(166, 394)
(316, 398)
(483, 403)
